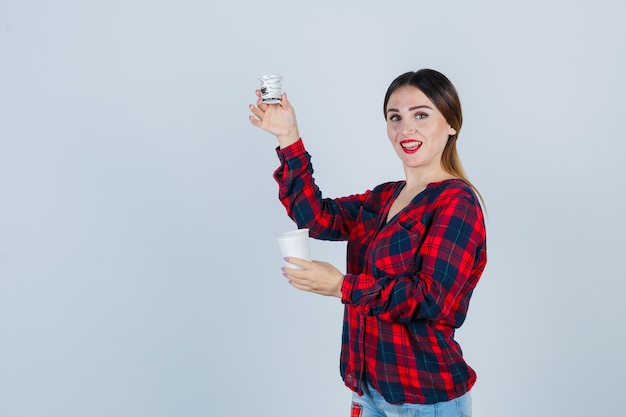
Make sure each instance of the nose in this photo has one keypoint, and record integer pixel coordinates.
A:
(408, 128)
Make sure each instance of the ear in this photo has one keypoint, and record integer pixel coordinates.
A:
(451, 131)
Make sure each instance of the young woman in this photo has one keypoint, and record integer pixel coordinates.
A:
(416, 250)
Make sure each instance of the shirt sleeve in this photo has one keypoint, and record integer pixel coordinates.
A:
(327, 219)
(451, 258)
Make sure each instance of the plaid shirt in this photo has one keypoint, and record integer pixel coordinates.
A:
(408, 281)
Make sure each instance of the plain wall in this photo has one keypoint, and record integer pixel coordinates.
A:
(139, 275)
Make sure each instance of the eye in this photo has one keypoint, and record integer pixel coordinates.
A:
(394, 118)
(421, 115)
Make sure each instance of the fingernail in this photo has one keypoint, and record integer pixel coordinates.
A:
(285, 259)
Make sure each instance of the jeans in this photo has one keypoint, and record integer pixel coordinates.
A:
(372, 404)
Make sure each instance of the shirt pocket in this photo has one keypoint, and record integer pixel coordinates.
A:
(395, 253)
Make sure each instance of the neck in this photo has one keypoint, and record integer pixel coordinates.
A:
(420, 178)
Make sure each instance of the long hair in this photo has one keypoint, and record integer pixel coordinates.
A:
(438, 88)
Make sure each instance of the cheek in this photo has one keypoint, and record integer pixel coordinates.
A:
(442, 142)
(390, 132)
(440, 132)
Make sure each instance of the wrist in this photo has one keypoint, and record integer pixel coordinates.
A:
(339, 293)
(288, 139)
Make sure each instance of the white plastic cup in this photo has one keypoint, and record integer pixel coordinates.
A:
(296, 244)
(271, 88)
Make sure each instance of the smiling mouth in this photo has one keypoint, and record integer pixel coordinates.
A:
(410, 146)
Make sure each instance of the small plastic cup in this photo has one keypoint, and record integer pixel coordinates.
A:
(296, 244)
(271, 88)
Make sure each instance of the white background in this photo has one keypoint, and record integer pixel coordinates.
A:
(139, 275)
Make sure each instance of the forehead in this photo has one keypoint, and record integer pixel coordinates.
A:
(408, 96)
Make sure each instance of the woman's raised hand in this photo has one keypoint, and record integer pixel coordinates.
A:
(278, 119)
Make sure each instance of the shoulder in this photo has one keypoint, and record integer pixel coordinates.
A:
(386, 189)
(456, 198)
(387, 186)
(453, 189)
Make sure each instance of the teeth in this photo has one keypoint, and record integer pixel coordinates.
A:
(414, 144)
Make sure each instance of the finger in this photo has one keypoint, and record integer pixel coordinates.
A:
(300, 286)
(296, 274)
(302, 263)
(299, 279)
(284, 102)
(256, 111)
(254, 121)
(261, 105)
(296, 278)
(258, 94)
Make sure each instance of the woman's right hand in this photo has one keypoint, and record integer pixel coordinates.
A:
(278, 119)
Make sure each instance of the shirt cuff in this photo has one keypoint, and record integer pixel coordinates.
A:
(294, 150)
(358, 290)
(346, 288)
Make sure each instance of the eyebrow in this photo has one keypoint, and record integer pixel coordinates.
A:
(411, 108)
